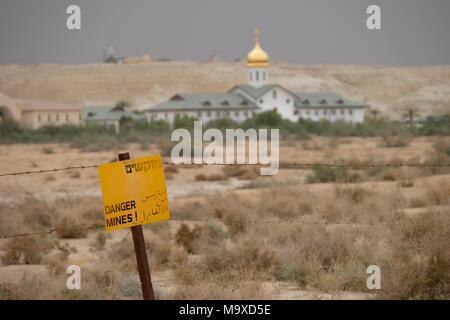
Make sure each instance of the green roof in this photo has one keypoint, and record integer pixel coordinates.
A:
(254, 92)
(108, 113)
(204, 101)
(323, 100)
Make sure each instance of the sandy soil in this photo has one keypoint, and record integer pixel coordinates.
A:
(184, 189)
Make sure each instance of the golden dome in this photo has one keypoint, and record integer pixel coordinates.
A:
(257, 57)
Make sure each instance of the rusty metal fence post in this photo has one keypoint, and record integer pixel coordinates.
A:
(141, 254)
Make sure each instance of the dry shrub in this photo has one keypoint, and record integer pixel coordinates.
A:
(406, 183)
(244, 261)
(438, 194)
(311, 145)
(75, 174)
(50, 177)
(67, 228)
(241, 172)
(73, 215)
(100, 241)
(211, 177)
(160, 252)
(181, 210)
(200, 177)
(36, 213)
(222, 290)
(123, 256)
(26, 250)
(171, 169)
(285, 203)
(396, 140)
(391, 175)
(353, 194)
(420, 263)
(187, 237)
(417, 203)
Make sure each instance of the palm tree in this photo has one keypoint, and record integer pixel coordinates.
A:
(374, 113)
(410, 114)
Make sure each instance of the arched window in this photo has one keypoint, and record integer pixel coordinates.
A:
(257, 75)
(274, 94)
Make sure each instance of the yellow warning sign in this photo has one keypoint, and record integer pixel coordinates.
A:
(134, 192)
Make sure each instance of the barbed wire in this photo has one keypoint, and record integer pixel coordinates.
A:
(50, 231)
(54, 231)
(282, 165)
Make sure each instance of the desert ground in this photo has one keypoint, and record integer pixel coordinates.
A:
(388, 89)
(234, 234)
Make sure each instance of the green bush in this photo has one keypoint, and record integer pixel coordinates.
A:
(324, 173)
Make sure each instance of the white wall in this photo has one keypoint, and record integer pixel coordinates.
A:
(283, 101)
(36, 119)
(258, 76)
(204, 115)
(355, 115)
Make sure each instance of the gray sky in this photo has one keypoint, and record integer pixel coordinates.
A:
(415, 32)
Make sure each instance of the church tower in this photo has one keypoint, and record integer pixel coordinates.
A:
(257, 63)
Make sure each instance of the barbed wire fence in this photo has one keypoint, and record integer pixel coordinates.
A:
(282, 165)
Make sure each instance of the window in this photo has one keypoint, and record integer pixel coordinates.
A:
(350, 111)
(325, 112)
(236, 113)
(296, 112)
(199, 114)
(48, 117)
(288, 100)
(342, 112)
(39, 118)
(208, 114)
(218, 113)
(67, 117)
(245, 113)
(264, 75)
(176, 97)
(316, 113)
(165, 115)
(274, 94)
(57, 117)
(227, 113)
(257, 75)
(261, 101)
(307, 112)
(79, 117)
(207, 103)
(333, 112)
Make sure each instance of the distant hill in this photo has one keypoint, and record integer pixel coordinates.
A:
(387, 89)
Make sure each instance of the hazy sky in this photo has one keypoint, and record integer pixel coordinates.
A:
(415, 32)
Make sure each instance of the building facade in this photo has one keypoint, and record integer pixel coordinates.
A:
(258, 95)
